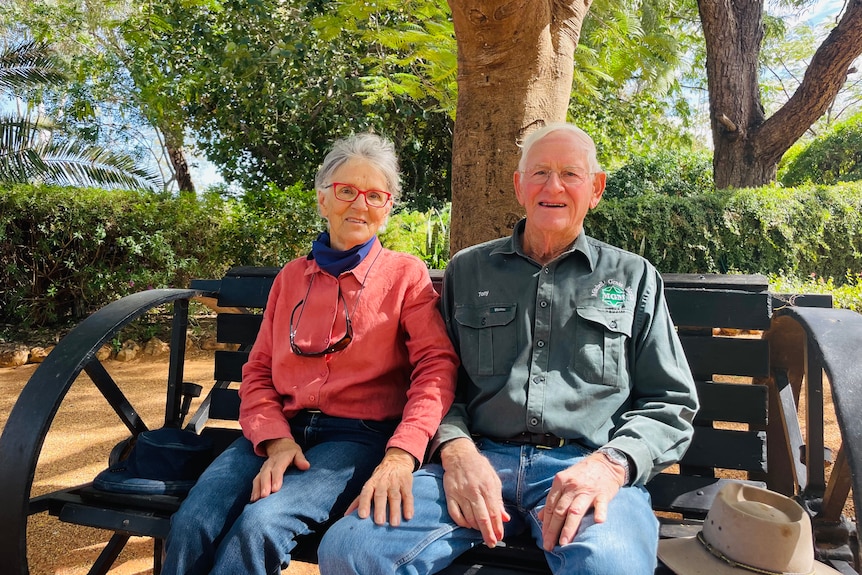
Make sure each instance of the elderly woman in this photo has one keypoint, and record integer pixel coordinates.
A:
(350, 375)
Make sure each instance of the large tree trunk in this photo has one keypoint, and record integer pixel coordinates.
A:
(747, 145)
(515, 66)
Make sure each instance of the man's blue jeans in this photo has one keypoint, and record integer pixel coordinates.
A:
(625, 543)
(216, 530)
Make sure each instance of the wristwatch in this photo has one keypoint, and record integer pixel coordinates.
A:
(614, 455)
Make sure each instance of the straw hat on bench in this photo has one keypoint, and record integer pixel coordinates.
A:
(747, 530)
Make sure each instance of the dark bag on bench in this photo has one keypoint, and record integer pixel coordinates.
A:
(164, 461)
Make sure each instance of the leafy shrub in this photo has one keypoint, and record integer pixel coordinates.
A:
(270, 226)
(68, 251)
(796, 232)
(846, 294)
(834, 157)
(669, 173)
(423, 234)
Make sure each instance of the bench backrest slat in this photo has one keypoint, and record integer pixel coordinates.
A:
(727, 449)
(720, 308)
(246, 287)
(732, 402)
(239, 328)
(708, 355)
(228, 365)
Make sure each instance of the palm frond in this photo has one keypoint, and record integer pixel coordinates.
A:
(77, 164)
(28, 64)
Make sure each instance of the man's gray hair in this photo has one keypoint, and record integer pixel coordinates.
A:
(379, 152)
(535, 136)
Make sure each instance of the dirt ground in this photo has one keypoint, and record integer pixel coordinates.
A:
(77, 448)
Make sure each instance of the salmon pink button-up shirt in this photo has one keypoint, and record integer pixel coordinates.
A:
(399, 365)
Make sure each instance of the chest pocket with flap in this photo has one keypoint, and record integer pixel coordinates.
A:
(489, 337)
(599, 351)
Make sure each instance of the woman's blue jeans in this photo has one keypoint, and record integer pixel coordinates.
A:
(625, 543)
(217, 531)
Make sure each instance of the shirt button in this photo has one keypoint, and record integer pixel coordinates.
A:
(540, 343)
(547, 270)
(310, 398)
(614, 324)
(544, 304)
(534, 421)
(483, 321)
(538, 379)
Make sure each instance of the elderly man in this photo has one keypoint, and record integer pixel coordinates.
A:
(574, 391)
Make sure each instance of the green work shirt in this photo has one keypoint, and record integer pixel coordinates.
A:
(582, 347)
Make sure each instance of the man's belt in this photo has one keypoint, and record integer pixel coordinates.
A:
(540, 440)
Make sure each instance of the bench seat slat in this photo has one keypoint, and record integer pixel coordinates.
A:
(128, 521)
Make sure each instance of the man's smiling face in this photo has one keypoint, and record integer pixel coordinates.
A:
(558, 205)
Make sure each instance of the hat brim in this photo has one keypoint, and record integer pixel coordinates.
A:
(686, 556)
(122, 481)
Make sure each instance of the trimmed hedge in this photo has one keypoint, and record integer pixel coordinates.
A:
(66, 252)
(787, 231)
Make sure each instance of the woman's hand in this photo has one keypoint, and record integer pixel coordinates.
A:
(280, 454)
(392, 484)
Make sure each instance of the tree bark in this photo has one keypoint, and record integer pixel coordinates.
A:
(515, 67)
(181, 170)
(747, 145)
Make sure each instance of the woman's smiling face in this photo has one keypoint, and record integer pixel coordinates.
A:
(353, 223)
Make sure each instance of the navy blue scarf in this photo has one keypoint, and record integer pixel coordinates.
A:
(335, 262)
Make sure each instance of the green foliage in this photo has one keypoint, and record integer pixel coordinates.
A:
(67, 252)
(846, 294)
(112, 97)
(32, 150)
(834, 157)
(269, 226)
(669, 172)
(796, 232)
(423, 234)
(266, 93)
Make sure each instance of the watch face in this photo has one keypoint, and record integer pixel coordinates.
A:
(616, 456)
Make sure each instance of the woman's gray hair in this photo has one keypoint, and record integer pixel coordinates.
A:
(589, 144)
(376, 150)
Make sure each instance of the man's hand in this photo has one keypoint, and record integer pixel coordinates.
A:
(474, 493)
(589, 484)
(280, 454)
(392, 483)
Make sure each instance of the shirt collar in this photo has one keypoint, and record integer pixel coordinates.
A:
(515, 245)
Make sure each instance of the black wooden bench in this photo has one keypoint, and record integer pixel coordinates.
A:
(754, 356)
